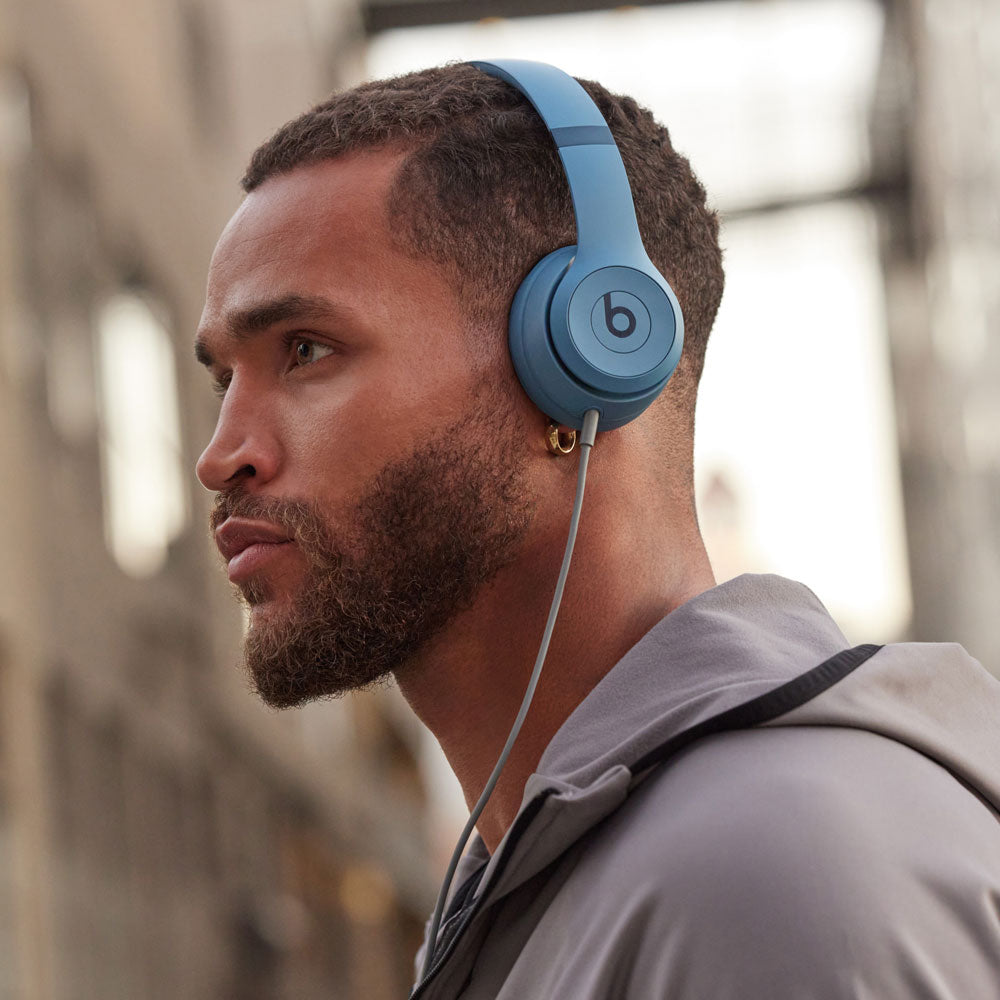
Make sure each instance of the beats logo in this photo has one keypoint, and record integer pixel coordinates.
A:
(620, 321)
(610, 314)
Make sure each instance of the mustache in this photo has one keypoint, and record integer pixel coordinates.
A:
(300, 518)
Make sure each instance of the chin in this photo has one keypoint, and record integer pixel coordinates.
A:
(265, 594)
(269, 613)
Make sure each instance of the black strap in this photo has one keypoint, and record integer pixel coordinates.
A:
(764, 708)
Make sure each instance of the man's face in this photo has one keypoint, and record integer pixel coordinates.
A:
(370, 473)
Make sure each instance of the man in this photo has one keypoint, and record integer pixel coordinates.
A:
(711, 796)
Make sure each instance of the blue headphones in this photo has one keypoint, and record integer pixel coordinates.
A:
(593, 326)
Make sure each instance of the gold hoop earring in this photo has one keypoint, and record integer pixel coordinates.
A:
(559, 442)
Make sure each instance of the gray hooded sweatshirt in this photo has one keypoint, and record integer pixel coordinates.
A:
(746, 809)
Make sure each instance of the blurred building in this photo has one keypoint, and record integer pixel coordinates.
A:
(936, 127)
(161, 834)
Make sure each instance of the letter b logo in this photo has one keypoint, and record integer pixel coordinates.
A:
(619, 320)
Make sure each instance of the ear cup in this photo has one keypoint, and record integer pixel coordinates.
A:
(605, 339)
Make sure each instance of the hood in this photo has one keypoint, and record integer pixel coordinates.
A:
(755, 650)
(727, 646)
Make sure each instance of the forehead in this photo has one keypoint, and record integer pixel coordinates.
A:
(319, 230)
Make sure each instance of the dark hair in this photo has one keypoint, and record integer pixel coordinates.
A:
(483, 193)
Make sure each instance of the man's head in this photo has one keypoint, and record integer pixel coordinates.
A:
(481, 192)
(376, 462)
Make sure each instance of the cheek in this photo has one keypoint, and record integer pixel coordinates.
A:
(337, 437)
(326, 453)
(339, 432)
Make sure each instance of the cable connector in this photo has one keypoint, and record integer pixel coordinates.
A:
(589, 431)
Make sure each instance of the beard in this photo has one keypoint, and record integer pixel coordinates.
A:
(428, 532)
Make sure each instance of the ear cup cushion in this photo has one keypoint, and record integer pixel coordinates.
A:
(547, 383)
(547, 380)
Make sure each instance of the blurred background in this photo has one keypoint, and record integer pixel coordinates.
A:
(162, 834)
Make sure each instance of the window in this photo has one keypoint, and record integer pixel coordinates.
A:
(144, 506)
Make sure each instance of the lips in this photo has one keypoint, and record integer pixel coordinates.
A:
(246, 544)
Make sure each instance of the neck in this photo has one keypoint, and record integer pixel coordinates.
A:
(468, 685)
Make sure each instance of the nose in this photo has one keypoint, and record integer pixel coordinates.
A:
(243, 446)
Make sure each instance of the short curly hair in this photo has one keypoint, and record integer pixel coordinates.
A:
(482, 191)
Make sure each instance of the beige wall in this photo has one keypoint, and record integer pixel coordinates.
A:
(942, 258)
(161, 834)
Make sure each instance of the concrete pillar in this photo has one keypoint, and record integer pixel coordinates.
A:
(941, 85)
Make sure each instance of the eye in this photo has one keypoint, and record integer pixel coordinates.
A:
(221, 383)
(309, 351)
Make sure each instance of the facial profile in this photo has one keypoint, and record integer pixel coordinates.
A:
(360, 428)
(425, 535)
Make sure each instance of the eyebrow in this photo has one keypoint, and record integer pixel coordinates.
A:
(244, 324)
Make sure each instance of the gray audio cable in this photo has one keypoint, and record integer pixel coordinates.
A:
(587, 435)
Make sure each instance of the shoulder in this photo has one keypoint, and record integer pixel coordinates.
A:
(813, 800)
(755, 818)
(781, 859)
